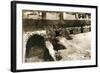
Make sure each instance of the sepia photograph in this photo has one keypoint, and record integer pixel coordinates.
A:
(48, 36)
(56, 36)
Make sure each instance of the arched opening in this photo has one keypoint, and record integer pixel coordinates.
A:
(36, 49)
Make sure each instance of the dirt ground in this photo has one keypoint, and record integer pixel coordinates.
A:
(79, 48)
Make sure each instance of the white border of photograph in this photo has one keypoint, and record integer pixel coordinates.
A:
(21, 65)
